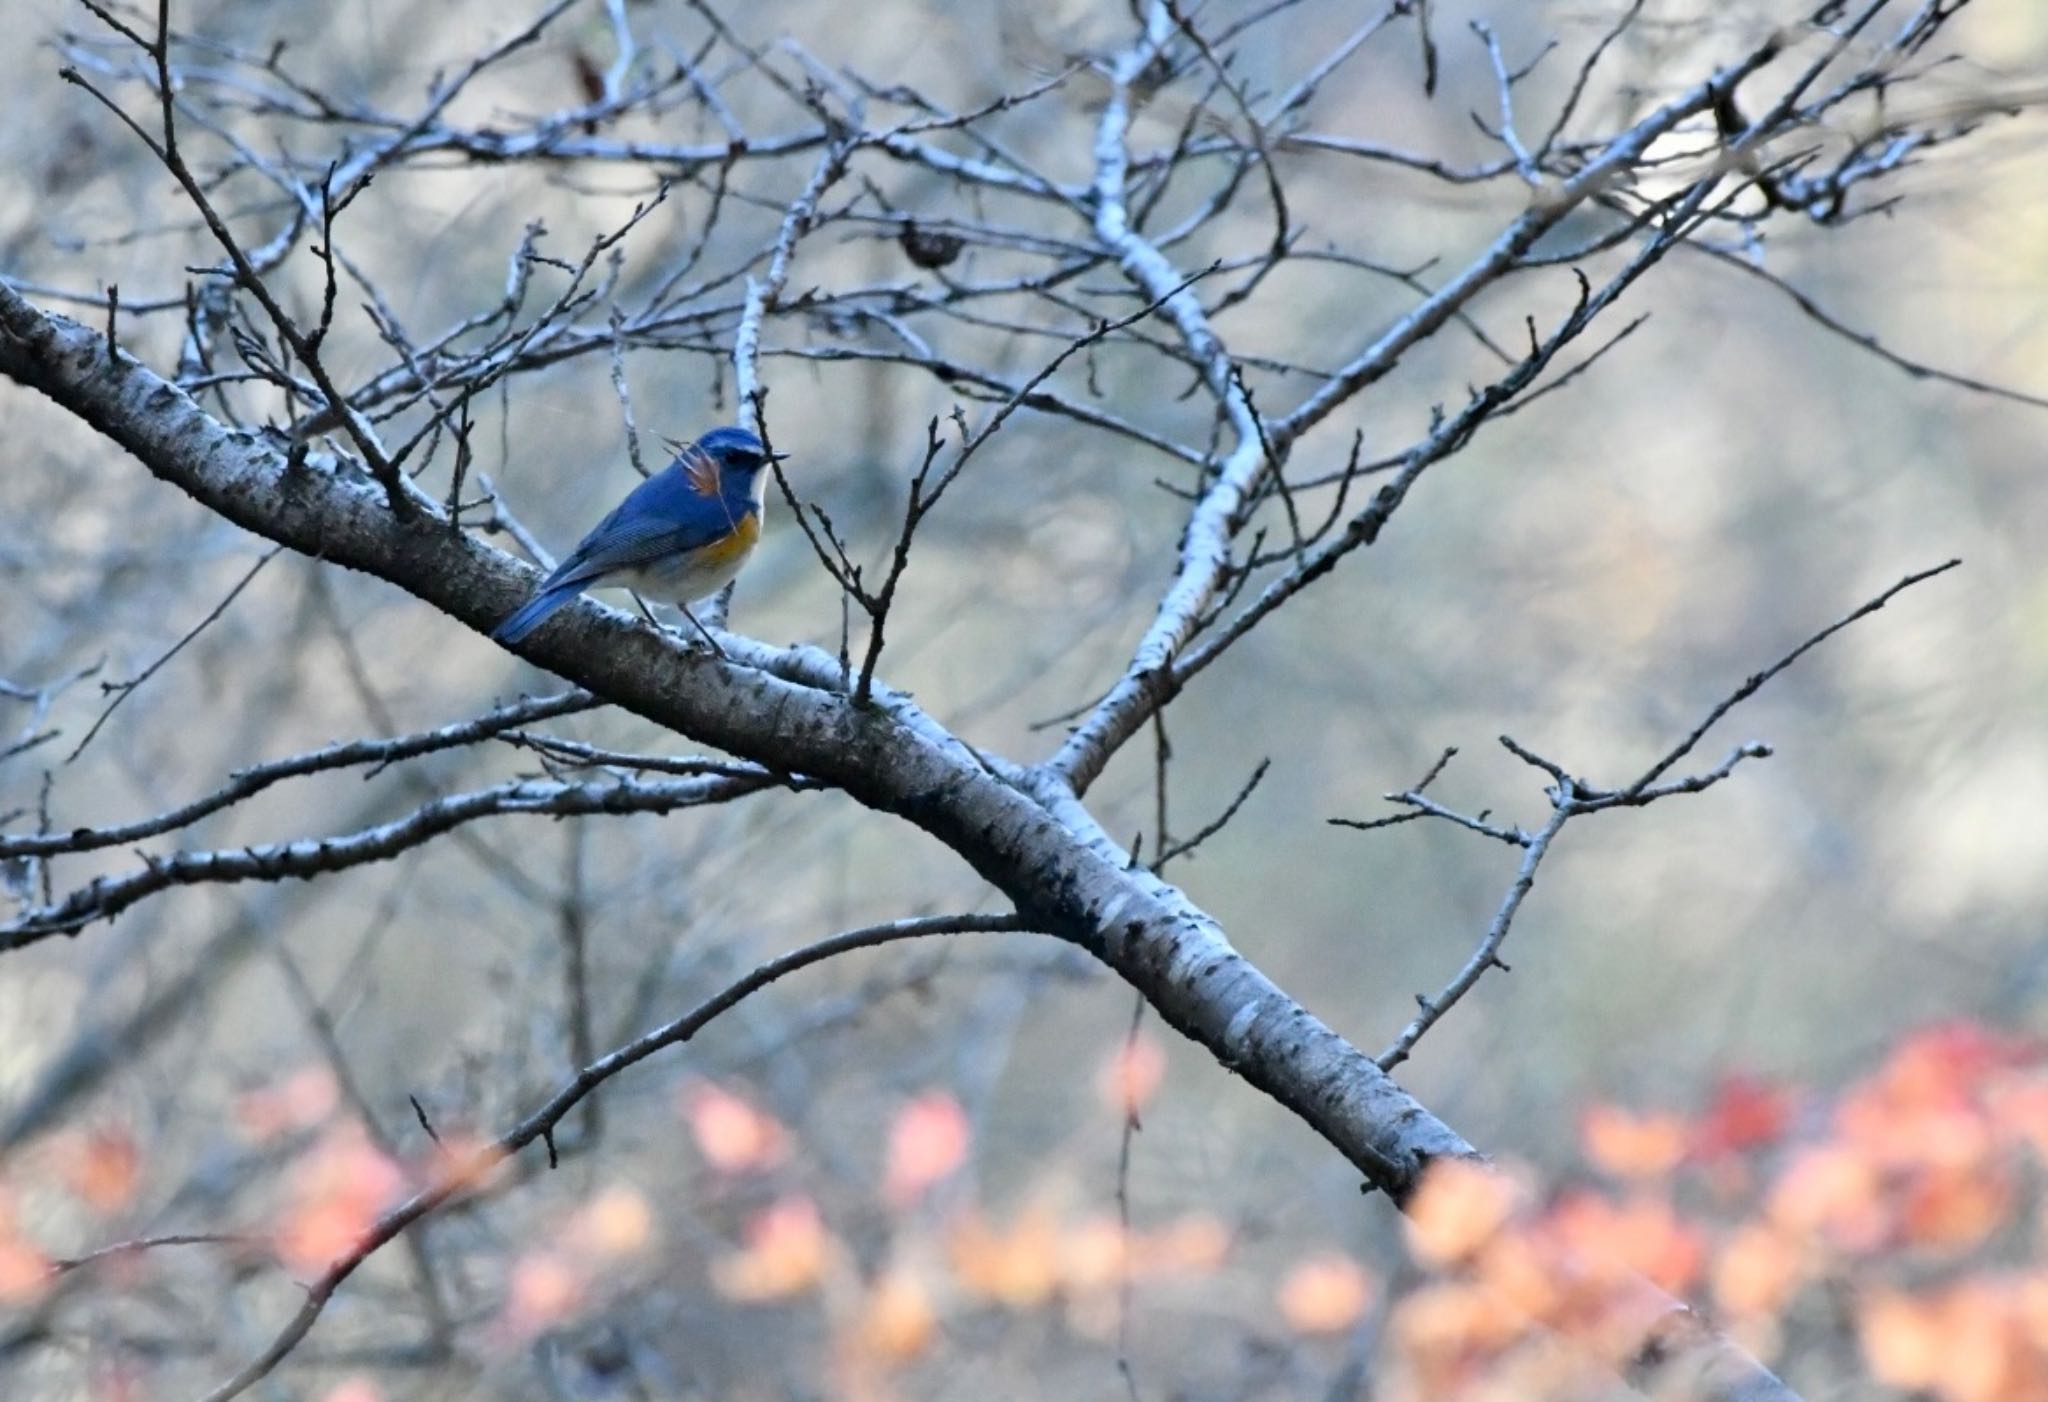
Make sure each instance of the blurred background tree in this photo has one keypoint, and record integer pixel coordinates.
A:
(527, 249)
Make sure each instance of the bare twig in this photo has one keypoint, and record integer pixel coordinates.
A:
(247, 783)
(1571, 797)
(1755, 681)
(107, 896)
(125, 689)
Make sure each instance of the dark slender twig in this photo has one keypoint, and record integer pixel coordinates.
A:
(1487, 955)
(1868, 341)
(572, 923)
(1126, 1284)
(126, 689)
(247, 783)
(118, 1250)
(575, 753)
(1756, 680)
(419, 1112)
(1222, 820)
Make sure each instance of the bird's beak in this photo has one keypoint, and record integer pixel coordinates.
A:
(778, 457)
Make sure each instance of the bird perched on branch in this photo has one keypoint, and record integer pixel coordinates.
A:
(681, 535)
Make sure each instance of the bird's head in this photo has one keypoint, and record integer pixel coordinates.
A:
(727, 462)
(737, 452)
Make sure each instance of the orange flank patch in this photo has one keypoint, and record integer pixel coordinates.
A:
(735, 546)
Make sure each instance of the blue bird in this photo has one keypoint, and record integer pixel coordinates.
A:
(681, 535)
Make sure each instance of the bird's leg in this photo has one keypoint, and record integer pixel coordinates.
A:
(648, 614)
(704, 632)
(675, 632)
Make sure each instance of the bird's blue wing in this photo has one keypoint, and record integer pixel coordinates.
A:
(659, 519)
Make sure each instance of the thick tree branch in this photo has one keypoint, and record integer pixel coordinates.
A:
(782, 710)
(108, 896)
(247, 783)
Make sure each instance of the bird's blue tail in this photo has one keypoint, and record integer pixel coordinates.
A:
(536, 611)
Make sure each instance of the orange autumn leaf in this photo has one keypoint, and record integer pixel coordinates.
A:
(733, 1136)
(1745, 1113)
(356, 1389)
(1629, 1146)
(1955, 1209)
(897, 1319)
(1969, 1343)
(462, 1161)
(1951, 1061)
(786, 1251)
(1834, 1192)
(1903, 1338)
(927, 1143)
(1900, 1131)
(1521, 1267)
(1756, 1271)
(315, 1235)
(1451, 1319)
(1642, 1234)
(1325, 1294)
(337, 1193)
(1131, 1076)
(1019, 1267)
(1097, 1255)
(2030, 1305)
(2019, 1109)
(617, 1222)
(1189, 1245)
(24, 1271)
(1990, 1358)
(1929, 1103)
(1456, 1210)
(302, 1100)
(545, 1289)
(103, 1170)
